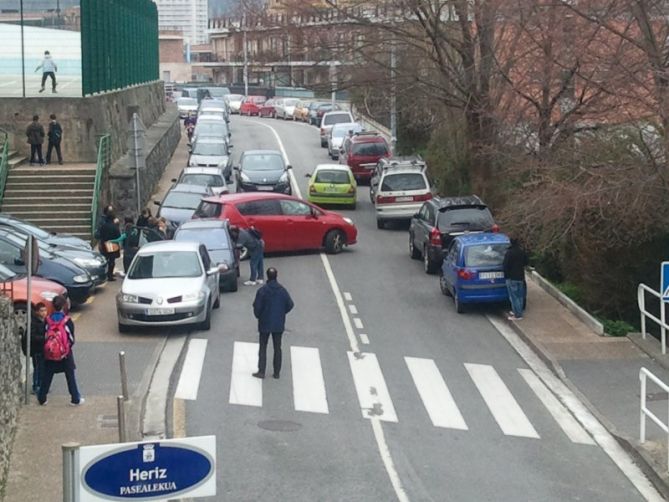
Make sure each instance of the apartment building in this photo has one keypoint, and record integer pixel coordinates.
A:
(188, 16)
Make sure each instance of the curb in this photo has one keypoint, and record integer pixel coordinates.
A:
(637, 453)
(651, 347)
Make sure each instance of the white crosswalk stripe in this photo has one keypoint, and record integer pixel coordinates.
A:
(371, 387)
(308, 383)
(436, 397)
(189, 380)
(244, 387)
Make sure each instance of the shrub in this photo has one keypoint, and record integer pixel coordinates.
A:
(616, 328)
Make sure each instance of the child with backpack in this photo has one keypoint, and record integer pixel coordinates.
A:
(58, 357)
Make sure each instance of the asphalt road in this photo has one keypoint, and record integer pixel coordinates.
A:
(456, 421)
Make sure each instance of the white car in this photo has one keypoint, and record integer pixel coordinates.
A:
(337, 135)
(234, 102)
(169, 284)
(185, 106)
(330, 119)
(213, 177)
(285, 108)
(398, 189)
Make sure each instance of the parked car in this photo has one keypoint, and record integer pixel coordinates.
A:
(301, 112)
(362, 151)
(185, 106)
(215, 235)
(332, 184)
(217, 107)
(338, 134)
(319, 109)
(262, 170)
(211, 127)
(211, 152)
(169, 283)
(440, 220)
(211, 177)
(331, 118)
(285, 108)
(287, 223)
(251, 105)
(42, 235)
(473, 271)
(234, 102)
(180, 202)
(267, 109)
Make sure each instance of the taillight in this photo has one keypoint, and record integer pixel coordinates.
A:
(435, 237)
(423, 197)
(351, 189)
(494, 228)
(383, 199)
(465, 274)
(312, 189)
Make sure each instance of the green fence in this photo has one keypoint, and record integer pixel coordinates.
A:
(119, 44)
(103, 164)
(4, 161)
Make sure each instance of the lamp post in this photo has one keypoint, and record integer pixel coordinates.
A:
(23, 54)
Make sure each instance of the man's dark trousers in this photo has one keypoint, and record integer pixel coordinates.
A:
(36, 151)
(262, 352)
(52, 76)
(53, 145)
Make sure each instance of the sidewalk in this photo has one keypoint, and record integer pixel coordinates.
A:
(604, 372)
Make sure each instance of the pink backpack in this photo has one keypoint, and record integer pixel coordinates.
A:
(57, 342)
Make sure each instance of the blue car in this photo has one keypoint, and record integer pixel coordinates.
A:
(472, 270)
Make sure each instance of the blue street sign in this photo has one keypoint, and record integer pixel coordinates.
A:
(664, 282)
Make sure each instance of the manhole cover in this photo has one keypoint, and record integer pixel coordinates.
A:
(279, 425)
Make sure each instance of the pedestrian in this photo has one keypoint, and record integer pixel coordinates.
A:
(108, 232)
(163, 228)
(251, 239)
(54, 134)
(129, 241)
(49, 69)
(35, 134)
(58, 355)
(37, 332)
(515, 261)
(143, 220)
(270, 307)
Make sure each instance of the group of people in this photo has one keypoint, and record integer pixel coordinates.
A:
(35, 134)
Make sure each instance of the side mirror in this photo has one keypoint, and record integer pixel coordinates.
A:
(173, 180)
(230, 147)
(236, 168)
(155, 202)
(314, 213)
(229, 135)
(308, 175)
(416, 216)
(289, 166)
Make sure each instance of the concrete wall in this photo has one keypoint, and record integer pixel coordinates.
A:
(83, 119)
(10, 377)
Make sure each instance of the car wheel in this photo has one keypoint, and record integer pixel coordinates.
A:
(443, 285)
(324, 144)
(428, 265)
(335, 240)
(206, 324)
(380, 224)
(217, 303)
(413, 252)
(122, 328)
(459, 307)
(21, 317)
(352, 206)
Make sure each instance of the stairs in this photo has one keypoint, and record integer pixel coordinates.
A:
(56, 198)
(15, 159)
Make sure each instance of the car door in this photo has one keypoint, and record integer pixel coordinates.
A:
(211, 280)
(374, 181)
(265, 215)
(417, 229)
(304, 228)
(450, 264)
(10, 256)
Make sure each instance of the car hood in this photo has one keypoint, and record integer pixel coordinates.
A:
(162, 288)
(264, 176)
(71, 253)
(216, 160)
(175, 215)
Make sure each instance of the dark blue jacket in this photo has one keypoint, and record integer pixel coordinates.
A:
(270, 307)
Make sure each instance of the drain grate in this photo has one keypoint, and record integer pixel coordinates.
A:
(279, 425)
(107, 421)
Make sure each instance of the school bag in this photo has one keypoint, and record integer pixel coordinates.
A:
(57, 341)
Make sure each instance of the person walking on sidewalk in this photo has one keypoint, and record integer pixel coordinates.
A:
(515, 261)
(37, 332)
(35, 134)
(108, 232)
(270, 307)
(251, 239)
(49, 69)
(55, 135)
(58, 355)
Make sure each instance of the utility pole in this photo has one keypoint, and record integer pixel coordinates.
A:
(333, 81)
(246, 58)
(393, 95)
(23, 54)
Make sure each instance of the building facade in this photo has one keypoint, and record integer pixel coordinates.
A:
(188, 16)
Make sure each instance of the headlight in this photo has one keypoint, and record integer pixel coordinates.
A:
(193, 296)
(284, 178)
(245, 178)
(48, 295)
(81, 278)
(129, 298)
(349, 221)
(86, 262)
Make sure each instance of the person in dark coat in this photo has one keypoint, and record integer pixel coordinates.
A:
(129, 241)
(67, 365)
(37, 332)
(109, 230)
(35, 134)
(270, 307)
(55, 135)
(143, 220)
(251, 239)
(515, 261)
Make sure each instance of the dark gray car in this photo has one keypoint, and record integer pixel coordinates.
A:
(262, 171)
(181, 202)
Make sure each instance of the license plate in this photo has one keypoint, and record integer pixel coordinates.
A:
(160, 311)
(404, 199)
(491, 275)
(331, 189)
(263, 188)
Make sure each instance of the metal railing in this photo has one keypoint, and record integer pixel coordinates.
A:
(644, 412)
(641, 300)
(102, 165)
(4, 161)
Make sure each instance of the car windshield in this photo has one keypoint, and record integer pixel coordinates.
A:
(342, 130)
(336, 177)
(261, 162)
(403, 181)
(186, 102)
(211, 180)
(290, 102)
(472, 218)
(337, 118)
(211, 129)
(165, 265)
(216, 149)
(182, 200)
(218, 92)
(370, 149)
(6, 274)
(485, 255)
(212, 238)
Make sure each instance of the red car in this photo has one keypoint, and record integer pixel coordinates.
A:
(251, 105)
(267, 109)
(287, 223)
(362, 151)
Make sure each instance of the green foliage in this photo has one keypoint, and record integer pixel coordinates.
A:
(573, 291)
(449, 160)
(616, 328)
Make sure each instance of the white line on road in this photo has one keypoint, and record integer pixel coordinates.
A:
(358, 323)
(347, 296)
(353, 343)
(371, 387)
(501, 403)
(308, 383)
(189, 381)
(244, 387)
(388, 461)
(565, 420)
(364, 338)
(437, 399)
(353, 309)
(601, 436)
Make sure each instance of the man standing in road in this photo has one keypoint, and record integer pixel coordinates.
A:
(49, 69)
(270, 307)
(251, 239)
(35, 134)
(515, 261)
(55, 134)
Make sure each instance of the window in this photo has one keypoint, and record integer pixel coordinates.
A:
(335, 177)
(205, 258)
(9, 254)
(262, 162)
(209, 210)
(337, 118)
(166, 265)
(403, 181)
(295, 208)
(210, 180)
(182, 200)
(485, 255)
(218, 149)
(370, 149)
(212, 238)
(424, 213)
(467, 218)
(260, 208)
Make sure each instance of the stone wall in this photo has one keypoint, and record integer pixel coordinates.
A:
(84, 119)
(10, 387)
(160, 142)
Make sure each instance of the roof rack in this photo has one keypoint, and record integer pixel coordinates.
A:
(366, 133)
(404, 163)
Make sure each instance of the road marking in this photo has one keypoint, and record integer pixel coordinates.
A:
(504, 408)
(437, 399)
(347, 296)
(358, 323)
(353, 309)
(244, 387)
(90, 300)
(75, 316)
(565, 420)
(364, 338)
(308, 383)
(598, 432)
(189, 381)
(387, 459)
(371, 387)
(353, 343)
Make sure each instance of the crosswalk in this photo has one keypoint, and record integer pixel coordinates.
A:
(374, 396)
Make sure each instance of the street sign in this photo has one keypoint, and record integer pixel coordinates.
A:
(664, 281)
(148, 470)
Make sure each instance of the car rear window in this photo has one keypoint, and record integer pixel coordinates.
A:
(337, 118)
(370, 149)
(186, 101)
(336, 177)
(182, 200)
(209, 210)
(485, 255)
(210, 149)
(211, 180)
(403, 181)
(466, 218)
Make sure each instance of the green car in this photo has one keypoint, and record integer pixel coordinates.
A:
(332, 184)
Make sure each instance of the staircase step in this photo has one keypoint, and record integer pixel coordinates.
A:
(19, 175)
(49, 202)
(45, 185)
(55, 170)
